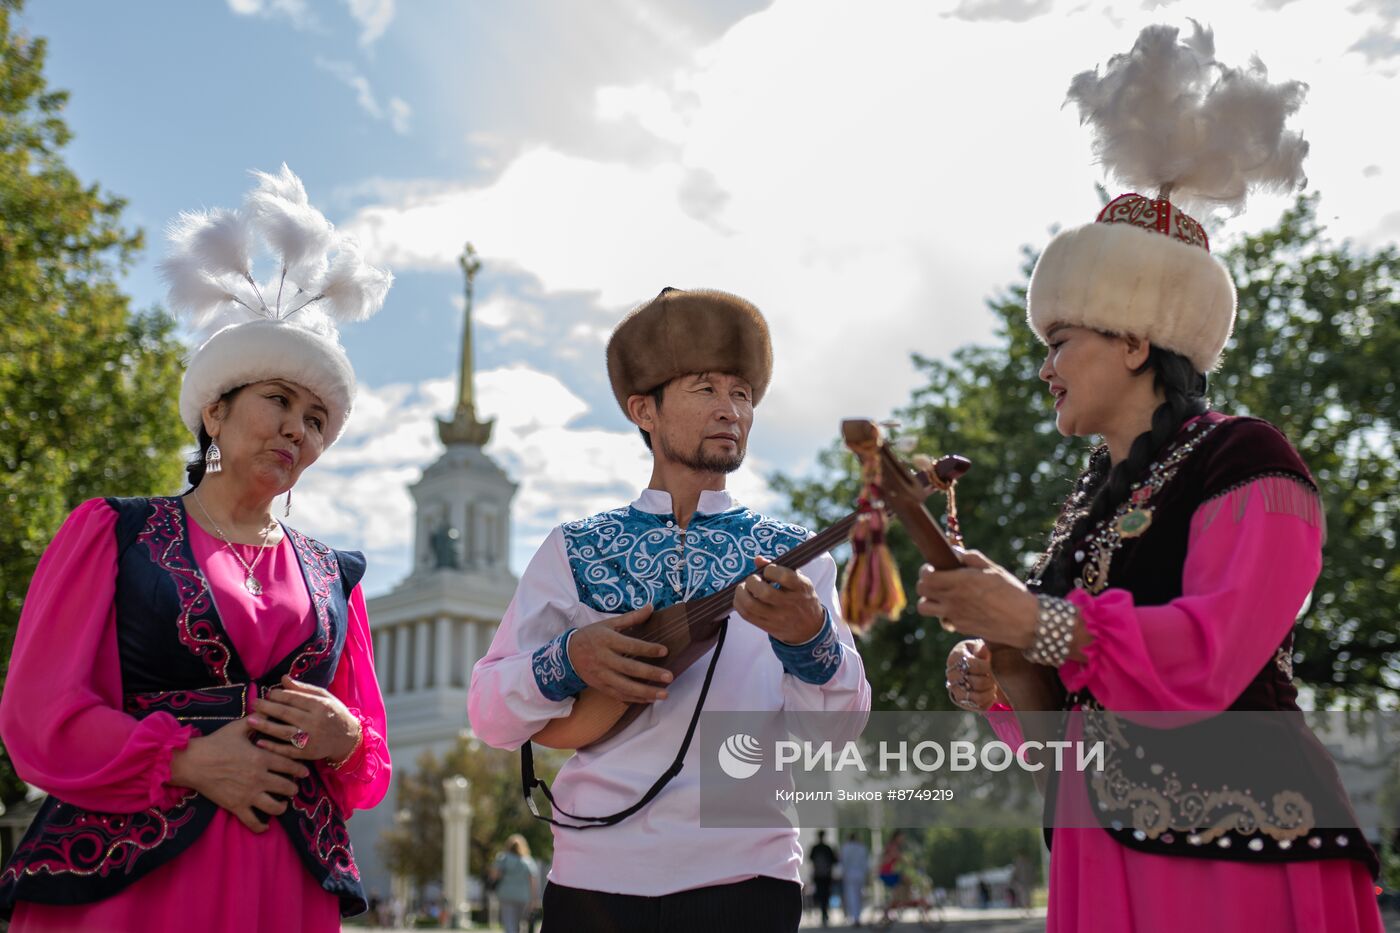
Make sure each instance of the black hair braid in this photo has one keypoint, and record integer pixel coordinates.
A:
(195, 468)
(1103, 487)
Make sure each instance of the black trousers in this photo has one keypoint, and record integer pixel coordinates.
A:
(822, 894)
(758, 905)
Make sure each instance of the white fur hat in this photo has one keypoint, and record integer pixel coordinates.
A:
(211, 281)
(1167, 116)
(1143, 268)
(270, 349)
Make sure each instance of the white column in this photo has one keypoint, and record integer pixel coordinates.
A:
(470, 539)
(381, 659)
(456, 825)
(470, 655)
(442, 638)
(402, 655)
(422, 654)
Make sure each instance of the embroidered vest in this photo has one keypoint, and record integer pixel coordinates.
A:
(1155, 794)
(176, 658)
(625, 558)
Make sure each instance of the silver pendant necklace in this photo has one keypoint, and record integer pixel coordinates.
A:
(250, 581)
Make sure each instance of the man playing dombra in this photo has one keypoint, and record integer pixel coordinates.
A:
(687, 368)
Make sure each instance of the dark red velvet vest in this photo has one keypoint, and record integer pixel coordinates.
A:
(1278, 797)
(176, 658)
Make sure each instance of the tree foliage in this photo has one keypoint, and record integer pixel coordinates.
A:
(1314, 351)
(88, 387)
(413, 847)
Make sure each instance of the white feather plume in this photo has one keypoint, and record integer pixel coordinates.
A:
(1167, 115)
(294, 229)
(353, 289)
(192, 292)
(216, 239)
(285, 185)
(209, 268)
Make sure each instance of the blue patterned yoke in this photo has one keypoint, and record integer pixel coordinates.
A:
(625, 558)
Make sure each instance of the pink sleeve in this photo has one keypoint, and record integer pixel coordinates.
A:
(1002, 719)
(363, 779)
(1252, 557)
(61, 714)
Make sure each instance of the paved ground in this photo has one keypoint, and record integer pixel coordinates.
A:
(953, 918)
(973, 921)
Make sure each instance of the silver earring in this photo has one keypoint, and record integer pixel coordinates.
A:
(288, 510)
(213, 458)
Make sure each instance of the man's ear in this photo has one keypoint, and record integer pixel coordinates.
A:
(642, 410)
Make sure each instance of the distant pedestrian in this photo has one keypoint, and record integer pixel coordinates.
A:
(823, 859)
(855, 865)
(517, 884)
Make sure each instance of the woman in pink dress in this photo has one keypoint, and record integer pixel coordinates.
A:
(192, 681)
(1173, 576)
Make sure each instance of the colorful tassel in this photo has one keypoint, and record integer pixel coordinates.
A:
(871, 587)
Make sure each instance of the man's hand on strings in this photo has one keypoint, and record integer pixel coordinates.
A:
(781, 601)
(606, 659)
(979, 599)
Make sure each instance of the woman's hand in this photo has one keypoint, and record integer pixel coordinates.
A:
(980, 599)
(227, 768)
(972, 684)
(305, 722)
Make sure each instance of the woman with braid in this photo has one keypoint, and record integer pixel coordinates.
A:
(1171, 583)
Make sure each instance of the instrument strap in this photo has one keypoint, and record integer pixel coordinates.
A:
(529, 782)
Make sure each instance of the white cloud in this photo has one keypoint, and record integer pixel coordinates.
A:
(374, 17)
(398, 111)
(1015, 11)
(399, 114)
(295, 11)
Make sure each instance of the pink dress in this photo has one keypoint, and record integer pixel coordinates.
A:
(1248, 570)
(63, 725)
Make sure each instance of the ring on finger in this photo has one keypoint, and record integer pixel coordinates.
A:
(301, 738)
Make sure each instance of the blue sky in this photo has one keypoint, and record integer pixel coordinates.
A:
(859, 170)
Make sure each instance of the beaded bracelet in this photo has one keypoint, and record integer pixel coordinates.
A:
(1054, 632)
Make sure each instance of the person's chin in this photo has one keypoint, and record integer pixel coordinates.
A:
(1064, 423)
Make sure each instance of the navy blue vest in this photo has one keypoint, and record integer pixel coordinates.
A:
(177, 658)
(1293, 806)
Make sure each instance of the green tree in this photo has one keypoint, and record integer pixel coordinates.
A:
(88, 387)
(413, 848)
(1314, 351)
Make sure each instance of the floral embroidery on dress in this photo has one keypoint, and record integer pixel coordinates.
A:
(164, 537)
(322, 573)
(80, 842)
(324, 830)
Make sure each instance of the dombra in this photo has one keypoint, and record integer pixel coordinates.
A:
(689, 629)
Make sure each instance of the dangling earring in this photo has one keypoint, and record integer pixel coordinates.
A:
(213, 458)
(288, 510)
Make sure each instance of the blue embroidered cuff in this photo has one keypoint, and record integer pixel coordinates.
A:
(554, 673)
(814, 661)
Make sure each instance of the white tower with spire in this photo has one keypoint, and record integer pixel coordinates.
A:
(431, 628)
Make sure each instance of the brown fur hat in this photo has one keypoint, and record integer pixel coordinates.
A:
(682, 332)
